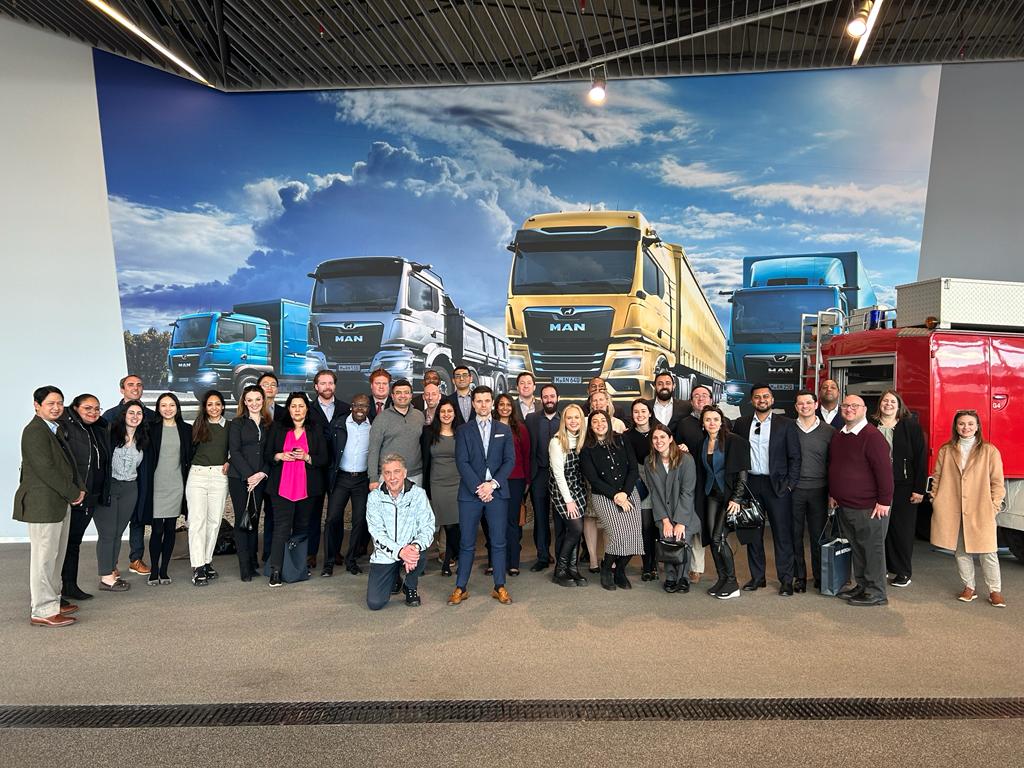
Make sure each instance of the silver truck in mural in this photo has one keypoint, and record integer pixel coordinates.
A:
(387, 312)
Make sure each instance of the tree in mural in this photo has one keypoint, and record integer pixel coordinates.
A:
(147, 355)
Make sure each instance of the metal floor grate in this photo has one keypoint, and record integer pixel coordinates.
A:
(500, 711)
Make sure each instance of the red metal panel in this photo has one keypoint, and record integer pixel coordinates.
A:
(960, 379)
(1006, 426)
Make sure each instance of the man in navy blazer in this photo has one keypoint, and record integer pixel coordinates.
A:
(774, 473)
(485, 455)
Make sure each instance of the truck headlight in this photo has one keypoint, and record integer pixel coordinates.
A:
(400, 365)
(208, 378)
(630, 363)
(733, 388)
(516, 363)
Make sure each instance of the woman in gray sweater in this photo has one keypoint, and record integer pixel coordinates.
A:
(671, 477)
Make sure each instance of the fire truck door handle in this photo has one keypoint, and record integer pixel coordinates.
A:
(999, 402)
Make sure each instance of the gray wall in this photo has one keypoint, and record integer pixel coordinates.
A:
(974, 216)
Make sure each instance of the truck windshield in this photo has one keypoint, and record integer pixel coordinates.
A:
(760, 317)
(574, 267)
(191, 332)
(359, 286)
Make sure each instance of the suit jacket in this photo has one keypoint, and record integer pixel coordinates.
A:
(327, 428)
(473, 464)
(837, 420)
(453, 398)
(315, 472)
(387, 404)
(245, 447)
(737, 464)
(156, 438)
(541, 431)
(680, 408)
(538, 406)
(49, 478)
(783, 451)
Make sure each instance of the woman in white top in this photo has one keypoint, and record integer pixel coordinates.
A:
(568, 494)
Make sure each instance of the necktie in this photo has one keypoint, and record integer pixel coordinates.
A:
(380, 407)
(484, 424)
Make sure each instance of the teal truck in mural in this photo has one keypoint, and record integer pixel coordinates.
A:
(229, 350)
(764, 332)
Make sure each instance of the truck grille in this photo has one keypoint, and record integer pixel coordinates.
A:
(184, 365)
(350, 342)
(780, 371)
(568, 345)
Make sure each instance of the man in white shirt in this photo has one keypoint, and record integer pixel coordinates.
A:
(348, 481)
(828, 404)
(526, 386)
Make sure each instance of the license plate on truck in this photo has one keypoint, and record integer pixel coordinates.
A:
(349, 367)
(784, 386)
(568, 380)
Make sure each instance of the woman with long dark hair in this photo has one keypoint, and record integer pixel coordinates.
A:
(611, 469)
(441, 479)
(129, 440)
(726, 458)
(89, 441)
(295, 455)
(638, 437)
(672, 479)
(967, 494)
(207, 487)
(507, 412)
(171, 441)
(246, 474)
(910, 475)
(568, 493)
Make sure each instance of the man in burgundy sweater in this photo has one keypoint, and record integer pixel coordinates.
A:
(860, 484)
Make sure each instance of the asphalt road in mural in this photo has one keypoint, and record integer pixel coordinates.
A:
(312, 216)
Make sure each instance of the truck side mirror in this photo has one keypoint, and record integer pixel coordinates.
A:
(405, 311)
(511, 247)
(311, 275)
(641, 294)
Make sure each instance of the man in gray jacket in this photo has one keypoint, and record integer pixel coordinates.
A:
(401, 522)
(397, 429)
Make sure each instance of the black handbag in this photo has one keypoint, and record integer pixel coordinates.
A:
(672, 551)
(642, 490)
(250, 515)
(750, 515)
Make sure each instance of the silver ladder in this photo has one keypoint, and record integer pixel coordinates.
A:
(815, 330)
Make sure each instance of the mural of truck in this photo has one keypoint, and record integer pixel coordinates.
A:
(764, 334)
(229, 350)
(598, 293)
(387, 312)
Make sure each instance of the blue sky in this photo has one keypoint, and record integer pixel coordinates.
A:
(219, 198)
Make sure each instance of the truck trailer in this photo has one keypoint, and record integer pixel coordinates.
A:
(598, 293)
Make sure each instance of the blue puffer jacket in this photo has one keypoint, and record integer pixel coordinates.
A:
(395, 523)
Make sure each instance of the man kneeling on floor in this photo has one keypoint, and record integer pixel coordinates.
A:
(401, 522)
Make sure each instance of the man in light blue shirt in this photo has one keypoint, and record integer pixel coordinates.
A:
(348, 481)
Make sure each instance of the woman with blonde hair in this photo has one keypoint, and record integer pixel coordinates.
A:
(967, 492)
(568, 494)
(599, 401)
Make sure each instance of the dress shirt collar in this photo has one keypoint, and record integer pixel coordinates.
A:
(856, 428)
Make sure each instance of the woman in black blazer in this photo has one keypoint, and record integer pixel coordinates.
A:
(247, 474)
(165, 497)
(726, 459)
(910, 478)
(292, 485)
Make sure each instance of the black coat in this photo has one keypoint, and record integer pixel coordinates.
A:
(453, 398)
(185, 449)
(680, 410)
(245, 447)
(639, 443)
(610, 469)
(387, 404)
(783, 451)
(538, 426)
(909, 455)
(90, 447)
(318, 452)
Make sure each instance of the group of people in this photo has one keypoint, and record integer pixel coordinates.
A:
(665, 476)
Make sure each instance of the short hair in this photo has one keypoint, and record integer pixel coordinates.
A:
(482, 389)
(761, 385)
(43, 392)
(526, 373)
(659, 374)
(431, 372)
(548, 386)
(391, 458)
(695, 387)
(267, 375)
(461, 368)
(401, 383)
(814, 397)
(378, 373)
(325, 372)
(362, 396)
(120, 384)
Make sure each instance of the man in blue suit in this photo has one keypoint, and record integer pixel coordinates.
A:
(485, 455)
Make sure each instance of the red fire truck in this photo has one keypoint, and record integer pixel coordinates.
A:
(953, 344)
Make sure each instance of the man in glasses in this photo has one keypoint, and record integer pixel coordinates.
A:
(860, 486)
(462, 398)
(774, 473)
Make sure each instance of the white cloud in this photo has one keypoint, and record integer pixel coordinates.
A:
(718, 269)
(193, 246)
(694, 175)
(861, 239)
(885, 199)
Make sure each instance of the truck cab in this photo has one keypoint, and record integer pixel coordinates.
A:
(208, 347)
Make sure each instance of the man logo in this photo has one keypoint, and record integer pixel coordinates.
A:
(567, 311)
(348, 326)
(348, 337)
(567, 327)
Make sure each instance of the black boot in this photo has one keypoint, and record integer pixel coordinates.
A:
(574, 568)
(620, 572)
(561, 576)
(719, 569)
(731, 587)
(607, 578)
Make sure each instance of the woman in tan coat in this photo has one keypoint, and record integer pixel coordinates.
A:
(967, 492)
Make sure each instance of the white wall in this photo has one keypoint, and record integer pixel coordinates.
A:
(974, 215)
(59, 289)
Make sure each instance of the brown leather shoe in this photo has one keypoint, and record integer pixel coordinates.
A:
(139, 567)
(694, 577)
(57, 620)
(967, 596)
(67, 610)
(501, 595)
(458, 596)
(996, 598)
(311, 561)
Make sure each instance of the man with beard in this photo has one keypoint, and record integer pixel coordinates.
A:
(327, 413)
(542, 426)
(664, 407)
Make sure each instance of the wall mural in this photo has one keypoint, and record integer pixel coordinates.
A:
(403, 228)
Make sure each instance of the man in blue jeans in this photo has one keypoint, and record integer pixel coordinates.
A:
(401, 522)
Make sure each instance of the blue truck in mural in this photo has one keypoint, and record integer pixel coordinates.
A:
(764, 332)
(369, 312)
(229, 350)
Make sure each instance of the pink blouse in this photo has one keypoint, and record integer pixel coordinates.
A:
(293, 473)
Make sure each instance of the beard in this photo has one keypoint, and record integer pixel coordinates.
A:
(550, 408)
(664, 395)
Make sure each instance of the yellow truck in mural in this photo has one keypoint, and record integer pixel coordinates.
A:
(598, 293)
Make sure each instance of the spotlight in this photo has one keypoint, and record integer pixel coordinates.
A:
(598, 85)
(859, 23)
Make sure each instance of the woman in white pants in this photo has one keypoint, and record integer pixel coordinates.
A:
(207, 485)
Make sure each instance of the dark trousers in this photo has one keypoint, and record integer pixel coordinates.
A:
(136, 541)
(316, 521)
(649, 531)
(80, 519)
(514, 531)
(382, 579)
(539, 493)
(470, 514)
(268, 524)
(899, 541)
(780, 517)
(867, 545)
(452, 540)
(247, 542)
(161, 544)
(810, 510)
(289, 516)
(354, 486)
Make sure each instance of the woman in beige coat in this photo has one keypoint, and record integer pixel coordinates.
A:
(967, 492)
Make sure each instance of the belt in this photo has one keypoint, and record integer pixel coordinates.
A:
(352, 474)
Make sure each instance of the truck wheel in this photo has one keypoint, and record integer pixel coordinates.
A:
(1015, 541)
(444, 371)
(500, 386)
(243, 381)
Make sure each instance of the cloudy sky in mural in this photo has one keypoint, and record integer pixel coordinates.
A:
(216, 199)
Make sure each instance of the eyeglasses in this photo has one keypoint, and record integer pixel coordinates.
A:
(851, 407)
(460, 376)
